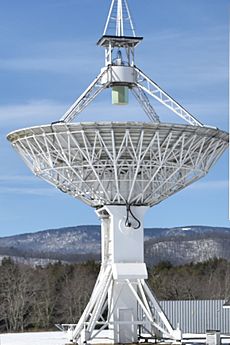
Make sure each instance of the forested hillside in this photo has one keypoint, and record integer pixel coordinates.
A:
(39, 297)
(78, 244)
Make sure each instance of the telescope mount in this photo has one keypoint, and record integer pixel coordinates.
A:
(121, 169)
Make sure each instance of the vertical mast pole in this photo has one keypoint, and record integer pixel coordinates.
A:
(120, 26)
(109, 17)
(130, 19)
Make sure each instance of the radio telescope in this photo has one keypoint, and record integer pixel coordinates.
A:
(121, 169)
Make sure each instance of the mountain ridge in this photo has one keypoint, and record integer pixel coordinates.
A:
(81, 243)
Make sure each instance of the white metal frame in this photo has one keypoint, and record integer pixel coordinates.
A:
(124, 43)
(120, 163)
(93, 90)
(119, 16)
(154, 90)
(130, 165)
(120, 290)
(143, 100)
(140, 86)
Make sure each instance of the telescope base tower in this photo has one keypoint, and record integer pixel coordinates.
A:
(122, 305)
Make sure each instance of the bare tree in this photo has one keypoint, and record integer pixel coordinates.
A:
(15, 294)
(75, 293)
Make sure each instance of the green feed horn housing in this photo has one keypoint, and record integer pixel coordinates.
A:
(120, 95)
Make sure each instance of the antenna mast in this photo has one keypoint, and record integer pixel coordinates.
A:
(120, 14)
(121, 74)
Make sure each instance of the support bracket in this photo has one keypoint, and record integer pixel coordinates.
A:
(143, 100)
(154, 90)
(94, 89)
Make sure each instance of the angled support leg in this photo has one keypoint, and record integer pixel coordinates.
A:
(154, 90)
(94, 89)
(144, 102)
(121, 302)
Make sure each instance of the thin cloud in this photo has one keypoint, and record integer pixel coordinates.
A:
(52, 65)
(59, 57)
(16, 178)
(186, 59)
(32, 111)
(210, 185)
(28, 191)
(39, 111)
(25, 185)
(45, 111)
(212, 34)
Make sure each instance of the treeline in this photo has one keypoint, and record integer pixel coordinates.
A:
(26, 255)
(205, 280)
(39, 297)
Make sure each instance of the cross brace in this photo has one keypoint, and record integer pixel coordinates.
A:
(139, 83)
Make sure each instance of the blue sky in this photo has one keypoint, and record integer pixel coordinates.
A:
(48, 56)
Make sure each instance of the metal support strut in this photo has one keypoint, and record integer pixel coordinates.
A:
(139, 83)
(122, 306)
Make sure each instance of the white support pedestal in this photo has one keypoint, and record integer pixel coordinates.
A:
(121, 303)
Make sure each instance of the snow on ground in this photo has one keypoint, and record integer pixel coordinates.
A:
(41, 338)
(58, 338)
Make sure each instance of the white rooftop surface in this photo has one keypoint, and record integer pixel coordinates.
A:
(59, 338)
(41, 338)
(46, 338)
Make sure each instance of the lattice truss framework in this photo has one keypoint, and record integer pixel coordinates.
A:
(120, 163)
(150, 315)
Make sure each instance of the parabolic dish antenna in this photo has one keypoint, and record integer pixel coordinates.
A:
(121, 169)
(119, 163)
